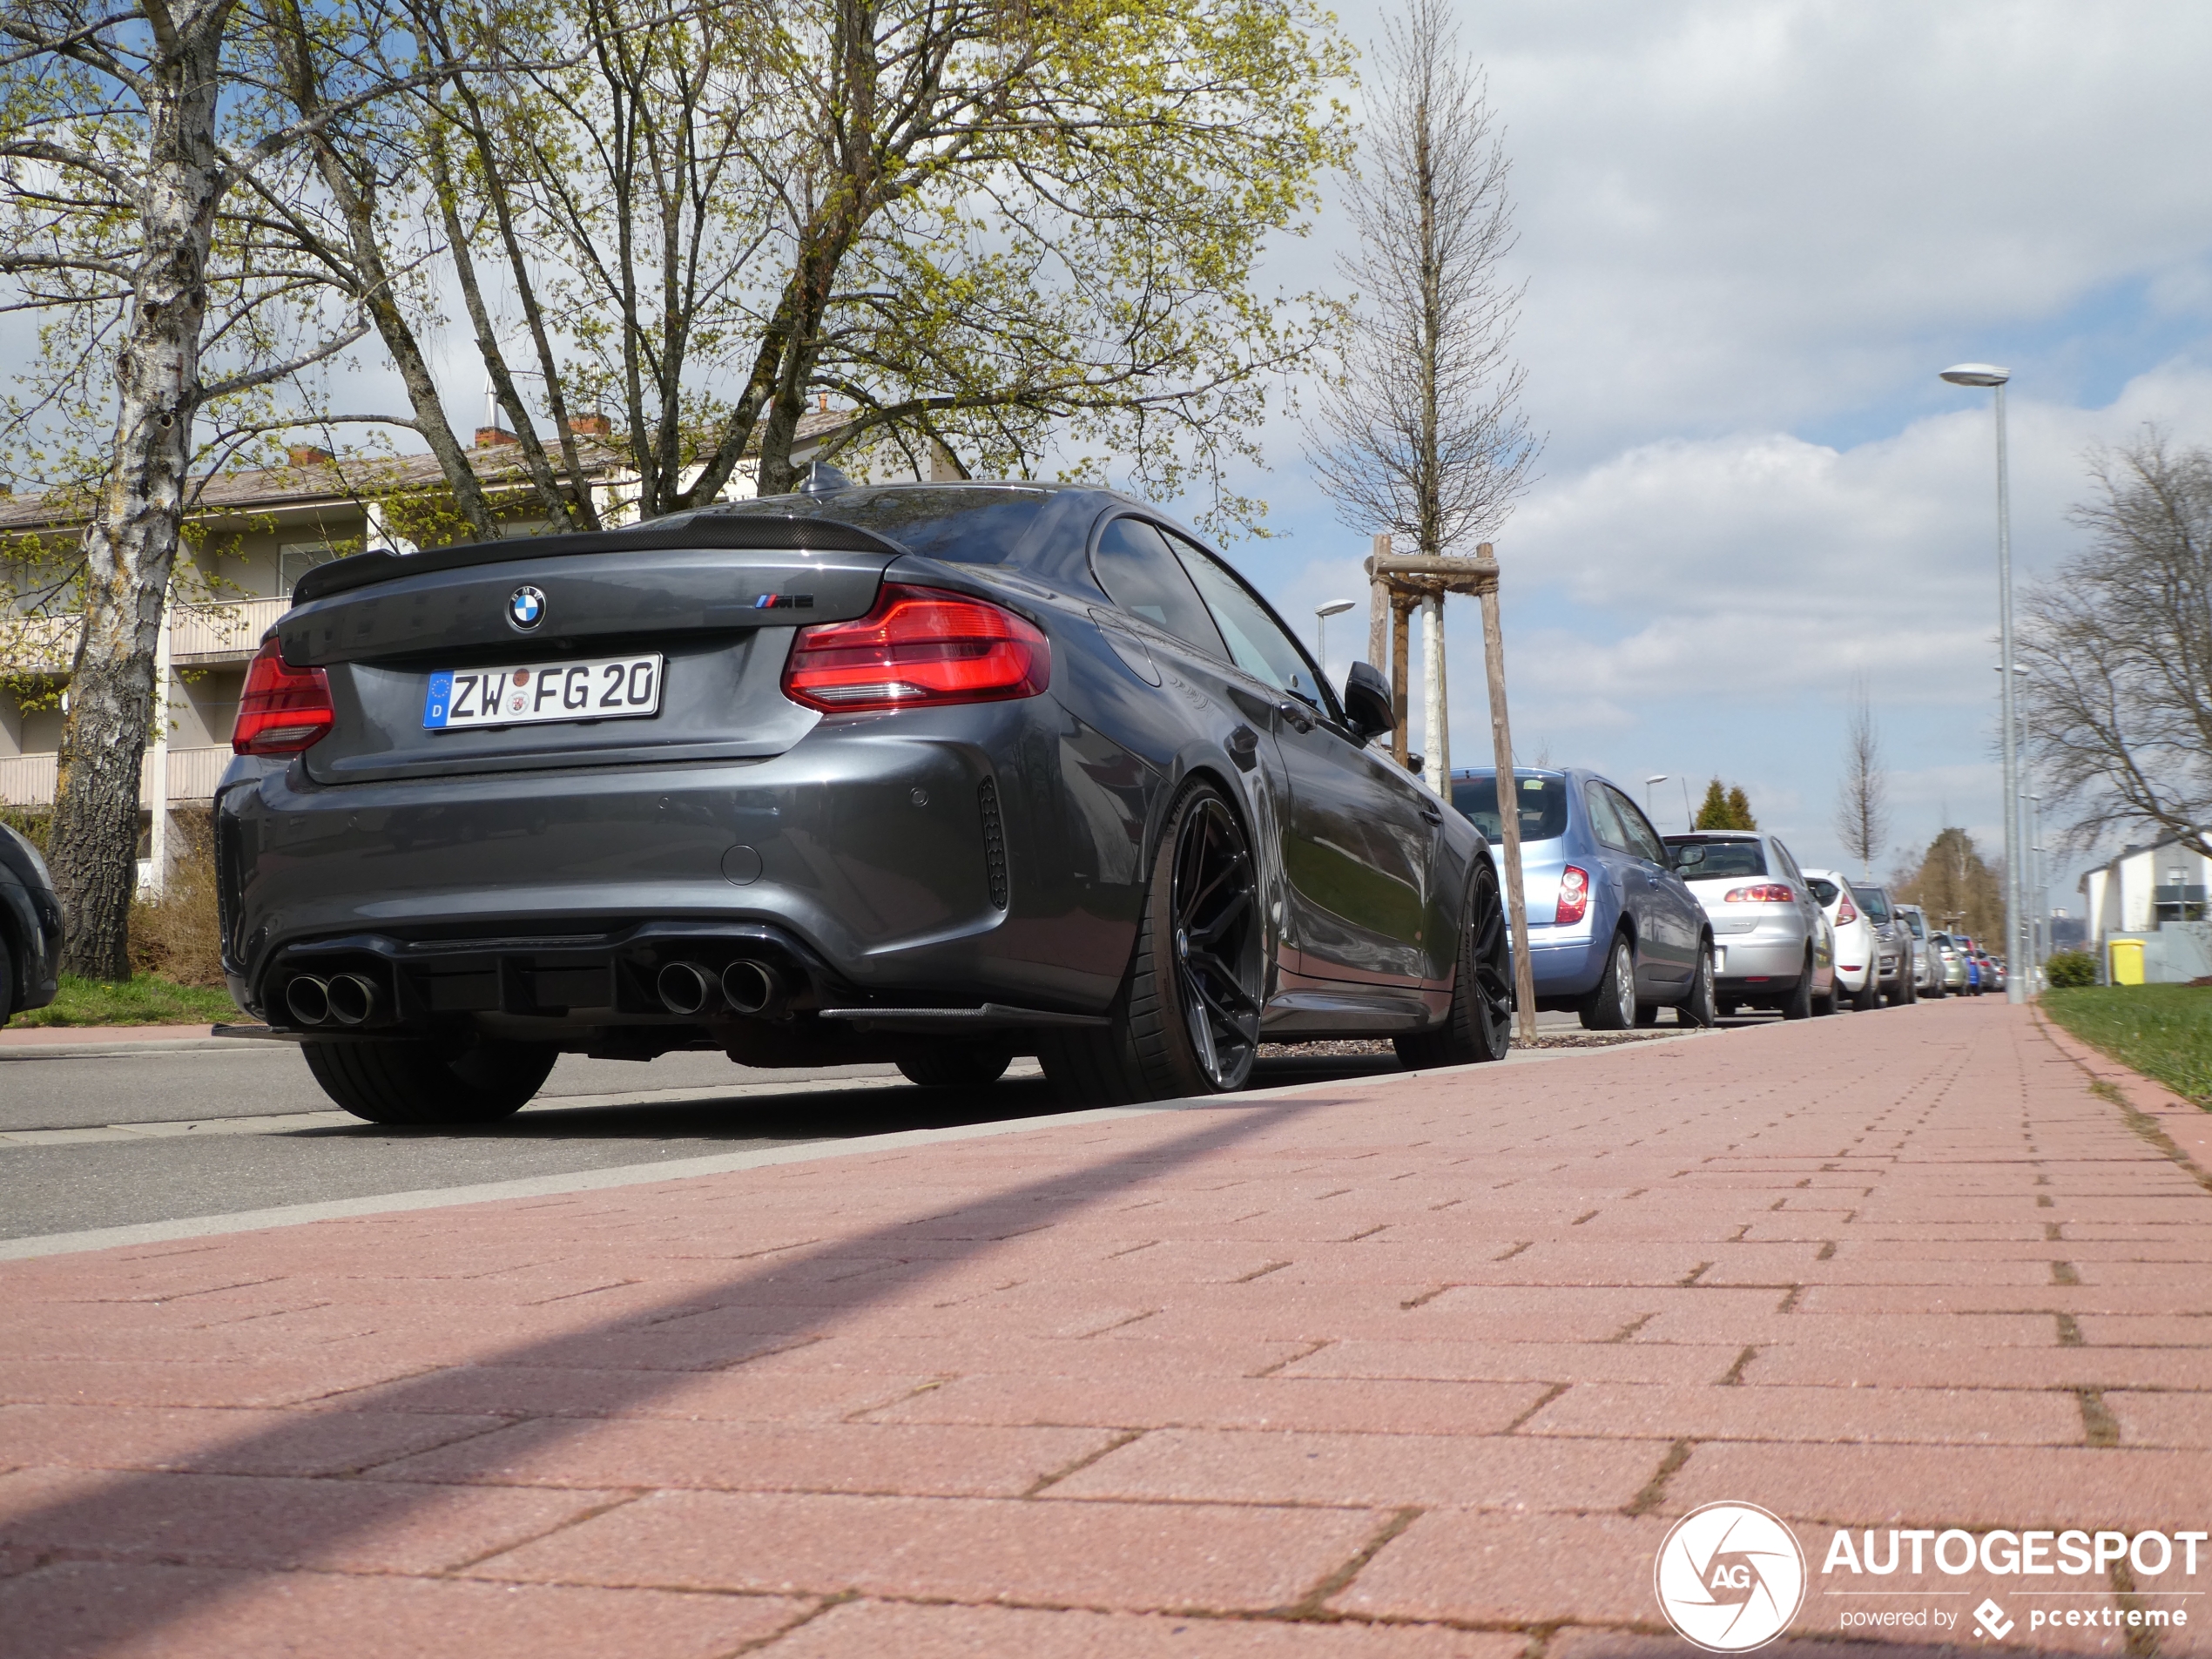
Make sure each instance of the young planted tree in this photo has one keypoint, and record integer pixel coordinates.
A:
(126, 133)
(1862, 800)
(1421, 432)
(2117, 698)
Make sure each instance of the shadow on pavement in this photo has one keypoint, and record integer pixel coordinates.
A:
(772, 1321)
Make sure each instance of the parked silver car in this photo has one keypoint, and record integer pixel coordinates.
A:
(1928, 966)
(1895, 977)
(1951, 962)
(1772, 946)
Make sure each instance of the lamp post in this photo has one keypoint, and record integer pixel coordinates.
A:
(1988, 374)
(1655, 778)
(1321, 615)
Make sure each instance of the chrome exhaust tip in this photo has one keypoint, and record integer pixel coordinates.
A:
(308, 998)
(686, 987)
(352, 999)
(751, 987)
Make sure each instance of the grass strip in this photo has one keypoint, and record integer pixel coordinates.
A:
(145, 999)
(2163, 1031)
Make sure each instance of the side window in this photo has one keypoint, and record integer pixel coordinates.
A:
(1643, 841)
(1603, 818)
(1789, 864)
(1257, 644)
(1138, 572)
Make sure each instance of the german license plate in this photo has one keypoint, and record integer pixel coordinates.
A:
(618, 688)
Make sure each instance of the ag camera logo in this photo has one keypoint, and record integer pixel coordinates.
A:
(1730, 1577)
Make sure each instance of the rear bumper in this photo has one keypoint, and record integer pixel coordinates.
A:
(934, 860)
(1753, 966)
(1566, 967)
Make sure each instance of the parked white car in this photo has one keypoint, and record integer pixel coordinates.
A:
(1858, 947)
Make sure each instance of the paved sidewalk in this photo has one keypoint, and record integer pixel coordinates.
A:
(1418, 1368)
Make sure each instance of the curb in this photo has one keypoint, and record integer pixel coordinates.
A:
(2186, 1125)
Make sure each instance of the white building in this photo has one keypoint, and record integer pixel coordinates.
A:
(2152, 898)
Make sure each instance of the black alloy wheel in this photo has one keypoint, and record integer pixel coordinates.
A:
(408, 1083)
(955, 1065)
(1479, 1025)
(1699, 1008)
(1798, 1006)
(1215, 909)
(1186, 1020)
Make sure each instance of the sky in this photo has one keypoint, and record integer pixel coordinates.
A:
(1752, 233)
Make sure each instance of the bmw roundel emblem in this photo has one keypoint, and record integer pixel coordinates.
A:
(526, 608)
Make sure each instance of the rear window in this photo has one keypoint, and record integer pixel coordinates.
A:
(1823, 889)
(1543, 805)
(970, 525)
(1725, 860)
(1912, 921)
(1874, 901)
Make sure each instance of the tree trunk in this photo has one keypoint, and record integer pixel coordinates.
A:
(131, 542)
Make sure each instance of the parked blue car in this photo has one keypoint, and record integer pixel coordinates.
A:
(1614, 934)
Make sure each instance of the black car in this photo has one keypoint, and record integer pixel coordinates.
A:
(31, 928)
(938, 774)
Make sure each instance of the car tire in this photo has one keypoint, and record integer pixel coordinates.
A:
(957, 1065)
(1826, 1004)
(1611, 1004)
(406, 1083)
(1798, 1004)
(1183, 1022)
(1699, 1007)
(7, 979)
(1727, 1008)
(1479, 1025)
(1868, 997)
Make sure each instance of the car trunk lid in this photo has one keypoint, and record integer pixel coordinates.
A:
(721, 619)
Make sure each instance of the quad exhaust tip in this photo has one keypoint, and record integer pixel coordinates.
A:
(686, 988)
(308, 998)
(352, 999)
(345, 999)
(750, 986)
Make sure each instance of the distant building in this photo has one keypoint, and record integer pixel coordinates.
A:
(254, 534)
(2152, 901)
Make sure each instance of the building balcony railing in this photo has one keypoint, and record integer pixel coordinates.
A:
(199, 636)
(28, 780)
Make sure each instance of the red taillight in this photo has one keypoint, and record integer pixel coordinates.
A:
(1574, 896)
(1765, 892)
(1846, 911)
(918, 646)
(283, 709)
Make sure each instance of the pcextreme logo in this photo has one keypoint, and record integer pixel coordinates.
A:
(1730, 1577)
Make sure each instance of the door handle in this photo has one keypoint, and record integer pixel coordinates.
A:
(1432, 811)
(1300, 719)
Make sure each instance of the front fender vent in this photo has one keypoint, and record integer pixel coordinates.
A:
(987, 799)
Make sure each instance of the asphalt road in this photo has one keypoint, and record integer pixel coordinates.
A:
(92, 1141)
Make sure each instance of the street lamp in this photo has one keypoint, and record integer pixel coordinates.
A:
(1321, 615)
(1988, 374)
(1655, 778)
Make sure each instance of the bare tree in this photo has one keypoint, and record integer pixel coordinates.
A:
(2118, 648)
(1862, 800)
(1421, 433)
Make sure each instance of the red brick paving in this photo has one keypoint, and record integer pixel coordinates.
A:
(1422, 1368)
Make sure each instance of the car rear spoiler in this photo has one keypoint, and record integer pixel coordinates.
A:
(766, 531)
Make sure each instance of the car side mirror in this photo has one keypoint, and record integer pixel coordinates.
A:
(1366, 702)
(1689, 857)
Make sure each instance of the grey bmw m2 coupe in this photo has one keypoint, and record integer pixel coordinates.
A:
(934, 774)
